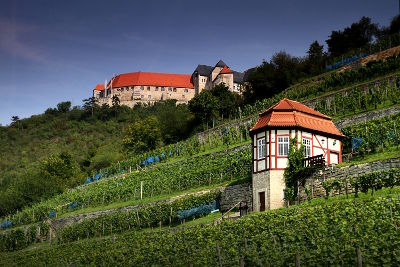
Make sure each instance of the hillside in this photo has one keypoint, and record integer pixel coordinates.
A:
(112, 190)
(321, 232)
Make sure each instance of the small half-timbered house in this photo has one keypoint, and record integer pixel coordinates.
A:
(270, 144)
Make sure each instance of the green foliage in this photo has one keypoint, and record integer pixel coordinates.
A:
(16, 239)
(376, 180)
(143, 135)
(64, 107)
(91, 135)
(143, 217)
(295, 169)
(332, 184)
(376, 134)
(62, 169)
(356, 36)
(217, 103)
(321, 235)
(330, 82)
(165, 179)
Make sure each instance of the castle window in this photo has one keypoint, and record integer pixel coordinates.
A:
(261, 148)
(142, 87)
(186, 90)
(162, 88)
(148, 88)
(307, 147)
(283, 145)
(174, 89)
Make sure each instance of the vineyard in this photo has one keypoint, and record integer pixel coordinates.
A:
(165, 178)
(330, 82)
(162, 180)
(145, 216)
(323, 234)
(375, 134)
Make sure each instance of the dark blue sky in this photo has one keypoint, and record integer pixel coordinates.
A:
(53, 51)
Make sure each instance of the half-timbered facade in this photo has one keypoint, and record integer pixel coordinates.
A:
(270, 144)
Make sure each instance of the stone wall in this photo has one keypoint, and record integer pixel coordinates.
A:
(231, 195)
(344, 173)
(372, 115)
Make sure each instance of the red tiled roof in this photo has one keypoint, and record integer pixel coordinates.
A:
(99, 87)
(152, 79)
(288, 113)
(291, 105)
(226, 70)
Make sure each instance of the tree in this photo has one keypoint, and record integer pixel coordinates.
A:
(61, 168)
(90, 104)
(395, 25)
(115, 101)
(204, 106)
(176, 121)
(227, 100)
(315, 58)
(143, 135)
(64, 107)
(351, 38)
(15, 119)
(272, 77)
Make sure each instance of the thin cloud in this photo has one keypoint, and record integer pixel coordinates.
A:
(11, 41)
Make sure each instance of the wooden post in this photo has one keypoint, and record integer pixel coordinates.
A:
(359, 257)
(358, 250)
(297, 263)
(141, 190)
(170, 217)
(219, 255)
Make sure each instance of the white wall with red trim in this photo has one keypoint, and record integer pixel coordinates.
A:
(327, 146)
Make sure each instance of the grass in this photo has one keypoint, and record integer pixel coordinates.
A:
(389, 153)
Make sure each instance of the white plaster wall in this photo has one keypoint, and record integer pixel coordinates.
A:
(334, 158)
(282, 162)
(277, 185)
(261, 165)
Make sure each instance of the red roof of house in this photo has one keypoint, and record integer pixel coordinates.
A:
(289, 113)
(99, 87)
(152, 79)
(226, 70)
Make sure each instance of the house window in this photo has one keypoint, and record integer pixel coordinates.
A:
(261, 148)
(142, 96)
(162, 88)
(142, 87)
(186, 90)
(156, 88)
(307, 147)
(183, 96)
(283, 145)
(174, 89)
(169, 89)
(149, 97)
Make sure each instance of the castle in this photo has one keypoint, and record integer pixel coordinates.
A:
(149, 87)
